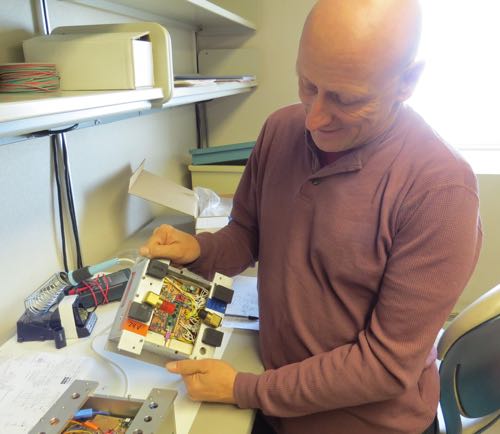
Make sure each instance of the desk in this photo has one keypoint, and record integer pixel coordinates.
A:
(240, 350)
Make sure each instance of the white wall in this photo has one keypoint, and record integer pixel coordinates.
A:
(279, 25)
(102, 159)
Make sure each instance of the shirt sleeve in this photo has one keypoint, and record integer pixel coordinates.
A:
(432, 257)
(235, 247)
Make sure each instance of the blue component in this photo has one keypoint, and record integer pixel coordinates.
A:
(84, 413)
(216, 305)
(87, 413)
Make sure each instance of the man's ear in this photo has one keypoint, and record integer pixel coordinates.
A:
(409, 79)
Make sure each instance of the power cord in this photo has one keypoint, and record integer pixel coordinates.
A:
(111, 362)
(59, 145)
(53, 140)
(71, 202)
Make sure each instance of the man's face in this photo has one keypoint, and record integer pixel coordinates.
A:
(347, 103)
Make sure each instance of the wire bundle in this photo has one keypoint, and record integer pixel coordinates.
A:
(28, 77)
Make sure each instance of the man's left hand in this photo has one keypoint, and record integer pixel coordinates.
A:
(206, 380)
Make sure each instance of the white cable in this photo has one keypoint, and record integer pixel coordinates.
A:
(111, 362)
(126, 261)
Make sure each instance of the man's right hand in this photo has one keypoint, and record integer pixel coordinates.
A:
(170, 243)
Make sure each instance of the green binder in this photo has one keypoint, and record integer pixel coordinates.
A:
(233, 154)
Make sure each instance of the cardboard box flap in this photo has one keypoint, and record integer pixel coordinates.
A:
(163, 192)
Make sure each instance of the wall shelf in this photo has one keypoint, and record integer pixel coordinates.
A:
(24, 115)
(188, 95)
(200, 14)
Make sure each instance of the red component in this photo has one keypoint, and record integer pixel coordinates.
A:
(168, 307)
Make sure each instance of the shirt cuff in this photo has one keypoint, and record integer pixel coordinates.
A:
(245, 390)
(202, 265)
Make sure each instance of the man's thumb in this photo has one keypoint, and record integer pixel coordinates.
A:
(184, 367)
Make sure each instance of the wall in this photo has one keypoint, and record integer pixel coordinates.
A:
(102, 159)
(487, 273)
(275, 44)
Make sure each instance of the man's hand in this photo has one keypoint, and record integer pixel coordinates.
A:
(170, 243)
(206, 380)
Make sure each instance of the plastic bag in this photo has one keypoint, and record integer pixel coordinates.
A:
(210, 204)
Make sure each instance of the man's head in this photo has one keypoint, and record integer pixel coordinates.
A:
(356, 65)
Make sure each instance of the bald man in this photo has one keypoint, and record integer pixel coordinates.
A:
(366, 228)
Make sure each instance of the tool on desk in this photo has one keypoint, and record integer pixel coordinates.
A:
(59, 309)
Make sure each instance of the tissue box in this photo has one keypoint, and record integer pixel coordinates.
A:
(173, 196)
(96, 61)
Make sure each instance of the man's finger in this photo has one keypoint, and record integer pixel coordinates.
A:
(169, 251)
(186, 367)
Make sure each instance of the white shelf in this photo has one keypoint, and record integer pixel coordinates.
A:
(200, 14)
(23, 114)
(188, 95)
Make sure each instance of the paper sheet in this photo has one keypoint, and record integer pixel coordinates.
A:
(31, 383)
(244, 304)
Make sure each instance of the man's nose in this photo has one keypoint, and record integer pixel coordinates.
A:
(317, 114)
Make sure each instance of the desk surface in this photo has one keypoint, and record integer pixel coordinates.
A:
(240, 349)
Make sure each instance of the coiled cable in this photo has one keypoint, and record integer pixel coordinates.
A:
(28, 77)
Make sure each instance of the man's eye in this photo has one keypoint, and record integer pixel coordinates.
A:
(347, 102)
(308, 87)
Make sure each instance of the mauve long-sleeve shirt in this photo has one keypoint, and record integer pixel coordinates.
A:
(360, 263)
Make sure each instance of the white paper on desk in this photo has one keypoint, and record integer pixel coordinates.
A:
(31, 383)
(244, 303)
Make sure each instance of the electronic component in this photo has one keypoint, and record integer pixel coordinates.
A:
(140, 312)
(76, 321)
(105, 288)
(212, 337)
(108, 414)
(51, 315)
(166, 312)
(223, 294)
(209, 318)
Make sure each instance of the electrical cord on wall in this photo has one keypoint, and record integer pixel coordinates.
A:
(62, 176)
(53, 140)
(71, 203)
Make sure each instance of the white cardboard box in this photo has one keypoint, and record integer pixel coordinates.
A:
(96, 61)
(171, 195)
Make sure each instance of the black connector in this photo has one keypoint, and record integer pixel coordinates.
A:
(223, 294)
(157, 269)
(140, 312)
(212, 337)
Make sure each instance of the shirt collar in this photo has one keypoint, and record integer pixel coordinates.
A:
(358, 157)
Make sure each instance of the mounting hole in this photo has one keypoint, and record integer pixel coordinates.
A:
(137, 431)
(153, 405)
(203, 351)
(75, 395)
(54, 421)
(148, 418)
